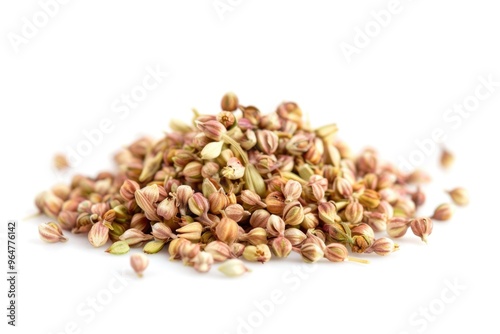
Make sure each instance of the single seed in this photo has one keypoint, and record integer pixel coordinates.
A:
(139, 263)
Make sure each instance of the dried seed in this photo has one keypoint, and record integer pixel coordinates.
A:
(421, 227)
(139, 263)
(118, 248)
(443, 212)
(460, 196)
(51, 232)
(281, 247)
(203, 261)
(335, 252)
(153, 247)
(383, 246)
(446, 159)
(229, 102)
(260, 253)
(311, 252)
(233, 268)
(227, 230)
(212, 150)
(98, 235)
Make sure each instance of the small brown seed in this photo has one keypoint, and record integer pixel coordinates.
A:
(229, 102)
(460, 196)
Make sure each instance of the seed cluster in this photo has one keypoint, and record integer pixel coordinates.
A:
(244, 184)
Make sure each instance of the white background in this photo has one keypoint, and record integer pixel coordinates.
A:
(394, 92)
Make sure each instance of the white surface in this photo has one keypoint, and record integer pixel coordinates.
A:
(395, 91)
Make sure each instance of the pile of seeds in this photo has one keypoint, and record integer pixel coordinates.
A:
(244, 184)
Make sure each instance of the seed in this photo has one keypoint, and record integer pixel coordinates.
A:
(446, 159)
(233, 268)
(118, 248)
(292, 191)
(421, 227)
(255, 236)
(383, 246)
(98, 234)
(397, 227)
(220, 251)
(212, 150)
(51, 232)
(203, 262)
(153, 247)
(260, 253)
(460, 196)
(139, 263)
(242, 183)
(443, 212)
(311, 252)
(134, 237)
(61, 162)
(227, 230)
(335, 252)
(295, 236)
(229, 102)
(281, 247)
(354, 212)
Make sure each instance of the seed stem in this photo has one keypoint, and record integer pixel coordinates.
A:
(357, 260)
(32, 216)
(237, 147)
